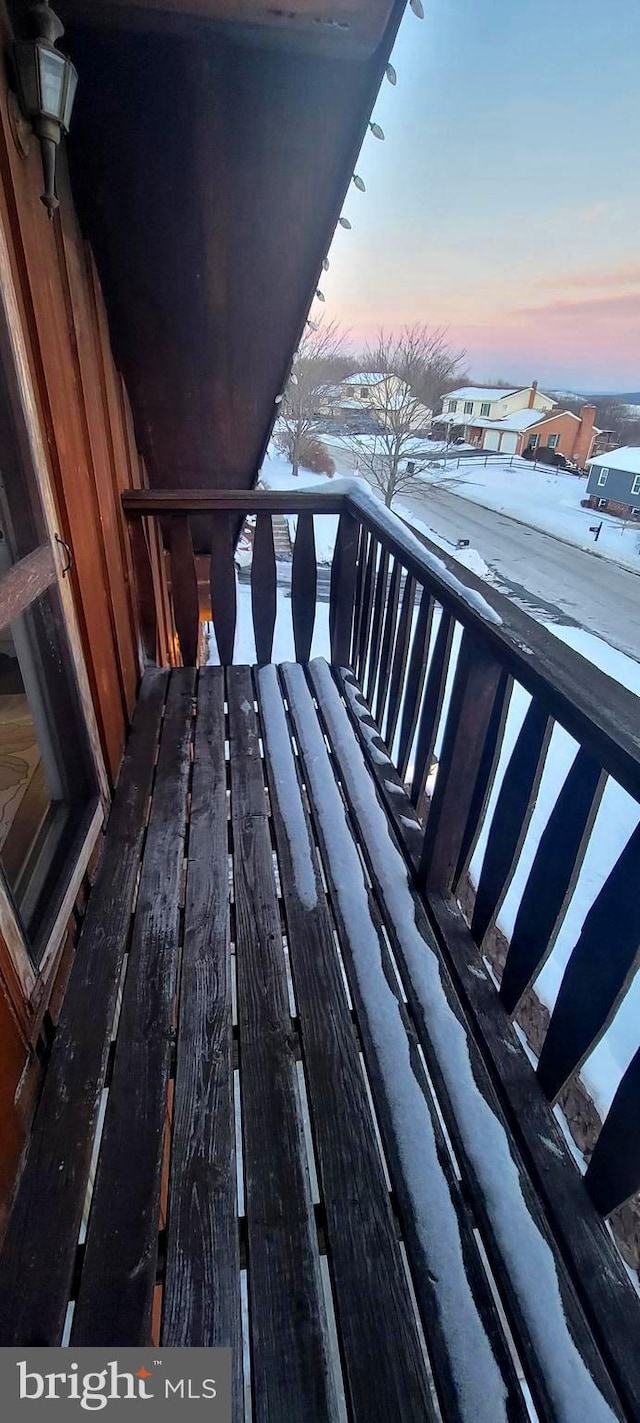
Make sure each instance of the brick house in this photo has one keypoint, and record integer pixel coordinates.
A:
(514, 422)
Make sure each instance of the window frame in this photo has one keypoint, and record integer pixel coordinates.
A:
(485, 408)
(468, 407)
(635, 484)
(553, 442)
(27, 981)
(602, 478)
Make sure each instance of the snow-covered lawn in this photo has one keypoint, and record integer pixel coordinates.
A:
(545, 499)
(616, 820)
(541, 497)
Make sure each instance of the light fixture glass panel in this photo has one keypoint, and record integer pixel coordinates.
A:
(52, 75)
(70, 93)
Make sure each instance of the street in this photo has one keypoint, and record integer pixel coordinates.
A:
(549, 578)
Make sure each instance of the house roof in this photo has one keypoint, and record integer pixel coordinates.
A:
(482, 392)
(518, 420)
(555, 415)
(492, 392)
(627, 458)
(365, 378)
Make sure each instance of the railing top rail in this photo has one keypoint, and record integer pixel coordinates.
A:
(595, 709)
(237, 501)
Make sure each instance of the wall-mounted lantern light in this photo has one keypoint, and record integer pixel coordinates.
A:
(46, 83)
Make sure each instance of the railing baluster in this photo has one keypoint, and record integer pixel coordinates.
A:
(400, 654)
(303, 587)
(597, 974)
(363, 546)
(367, 608)
(415, 680)
(489, 762)
(473, 697)
(511, 817)
(223, 586)
(388, 641)
(613, 1174)
(432, 704)
(143, 574)
(382, 579)
(184, 589)
(552, 877)
(342, 604)
(263, 588)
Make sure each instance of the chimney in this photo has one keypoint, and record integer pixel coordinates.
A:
(532, 395)
(584, 440)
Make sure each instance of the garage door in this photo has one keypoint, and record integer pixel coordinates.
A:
(509, 443)
(491, 440)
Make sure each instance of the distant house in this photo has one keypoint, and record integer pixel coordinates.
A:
(494, 402)
(376, 395)
(514, 422)
(614, 482)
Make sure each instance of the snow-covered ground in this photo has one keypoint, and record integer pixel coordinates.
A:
(541, 497)
(617, 816)
(616, 820)
(276, 474)
(545, 499)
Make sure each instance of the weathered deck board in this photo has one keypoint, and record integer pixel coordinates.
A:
(202, 1274)
(529, 1271)
(470, 1144)
(384, 1371)
(37, 1261)
(474, 1379)
(118, 1275)
(291, 1376)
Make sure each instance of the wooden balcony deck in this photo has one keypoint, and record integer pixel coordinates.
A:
(272, 1117)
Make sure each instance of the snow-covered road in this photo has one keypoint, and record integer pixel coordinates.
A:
(545, 576)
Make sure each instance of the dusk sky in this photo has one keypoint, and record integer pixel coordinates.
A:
(505, 202)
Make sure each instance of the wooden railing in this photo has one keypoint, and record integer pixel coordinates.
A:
(437, 656)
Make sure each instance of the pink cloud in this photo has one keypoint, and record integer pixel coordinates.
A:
(626, 276)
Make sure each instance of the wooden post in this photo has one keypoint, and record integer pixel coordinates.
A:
(475, 688)
(143, 575)
(343, 584)
(184, 588)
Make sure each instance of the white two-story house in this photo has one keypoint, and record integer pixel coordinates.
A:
(493, 402)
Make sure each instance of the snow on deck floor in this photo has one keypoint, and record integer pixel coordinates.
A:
(616, 820)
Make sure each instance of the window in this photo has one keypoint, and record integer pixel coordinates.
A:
(534, 441)
(485, 408)
(603, 477)
(411, 466)
(468, 407)
(635, 487)
(47, 785)
(364, 394)
(451, 405)
(552, 442)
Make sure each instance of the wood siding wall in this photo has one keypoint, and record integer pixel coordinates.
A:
(86, 429)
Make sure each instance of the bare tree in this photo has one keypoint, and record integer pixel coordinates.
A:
(423, 357)
(410, 364)
(321, 362)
